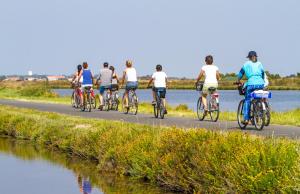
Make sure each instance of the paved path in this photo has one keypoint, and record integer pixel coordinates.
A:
(273, 130)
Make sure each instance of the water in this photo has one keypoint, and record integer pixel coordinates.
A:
(282, 100)
(29, 169)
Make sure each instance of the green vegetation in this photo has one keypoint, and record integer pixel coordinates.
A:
(192, 160)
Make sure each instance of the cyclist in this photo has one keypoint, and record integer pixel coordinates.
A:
(75, 81)
(160, 84)
(254, 72)
(130, 76)
(104, 79)
(115, 79)
(87, 79)
(212, 75)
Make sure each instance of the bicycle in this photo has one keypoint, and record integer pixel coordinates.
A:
(106, 101)
(75, 98)
(115, 100)
(133, 102)
(158, 108)
(213, 104)
(260, 115)
(87, 99)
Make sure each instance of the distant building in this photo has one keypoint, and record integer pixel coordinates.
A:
(29, 73)
(13, 78)
(56, 77)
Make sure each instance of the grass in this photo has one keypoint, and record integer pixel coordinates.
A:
(193, 161)
(42, 93)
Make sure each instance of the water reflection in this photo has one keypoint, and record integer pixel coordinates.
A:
(49, 171)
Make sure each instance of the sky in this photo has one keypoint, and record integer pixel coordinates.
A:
(53, 36)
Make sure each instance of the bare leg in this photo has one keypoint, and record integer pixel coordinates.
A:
(101, 99)
(204, 101)
(154, 96)
(164, 102)
(126, 99)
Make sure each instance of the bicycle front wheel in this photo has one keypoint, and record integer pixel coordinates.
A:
(200, 109)
(240, 115)
(259, 115)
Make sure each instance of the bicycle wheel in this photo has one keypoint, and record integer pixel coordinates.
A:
(268, 114)
(124, 108)
(240, 115)
(134, 104)
(162, 110)
(94, 102)
(89, 103)
(200, 109)
(214, 110)
(73, 101)
(155, 110)
(259, 115)
(83, 106)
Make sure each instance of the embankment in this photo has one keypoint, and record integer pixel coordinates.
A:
(182, 160)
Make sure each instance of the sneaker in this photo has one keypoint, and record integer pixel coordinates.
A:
(245, 122)
(166, 112)
(153, 102)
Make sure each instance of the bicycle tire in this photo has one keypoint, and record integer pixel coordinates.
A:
(268, 114)
(240, 115)
(216, 111)
(89, 103)
(73, 100)
(199, 105)
(155, 110)
(162, 111)
(135, 104)
(259, 113)
(94, 102)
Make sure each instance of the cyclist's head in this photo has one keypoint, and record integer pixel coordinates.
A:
(128, 63)
(79, 68)
(112, 68)
(105, 64)
(252, 56)
(209, 60)
(85, 65)
(158, 67)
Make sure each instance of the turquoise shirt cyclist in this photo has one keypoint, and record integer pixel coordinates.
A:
(254, 72)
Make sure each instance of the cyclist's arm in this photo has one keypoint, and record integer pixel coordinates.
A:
(200, 76)
(79, 76)
(74, 77)
(92, 77)
(167, 84)
(150, 82)
(241, 74)
(218, 75)
(123, 78)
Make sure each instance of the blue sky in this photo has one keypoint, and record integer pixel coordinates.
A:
(53, 36)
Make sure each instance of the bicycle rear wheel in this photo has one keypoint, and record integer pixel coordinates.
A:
(73, 100)
(268, 114)
(155, 110)
(162, 111)
(134, 104)
(240, 115)
(259, 115)
(214, 110)
(200, 109)
(89, 103)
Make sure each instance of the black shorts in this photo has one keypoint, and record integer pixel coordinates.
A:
(114, 87)
(161, 92)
